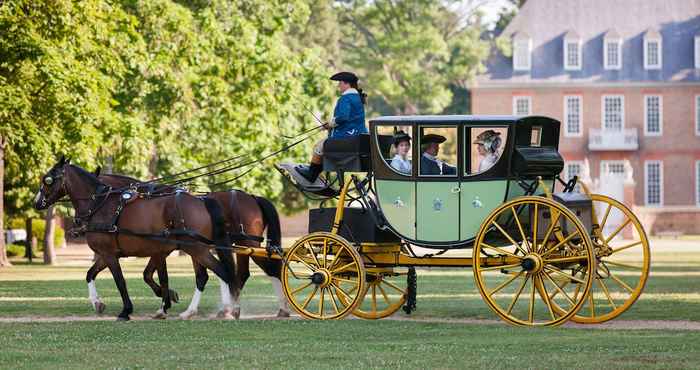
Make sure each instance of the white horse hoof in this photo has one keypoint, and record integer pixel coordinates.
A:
(160, 315)
(188, 315)
(228, 314)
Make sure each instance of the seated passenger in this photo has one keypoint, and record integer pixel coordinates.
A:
(402, 160)
(429, 163)
(488, 143)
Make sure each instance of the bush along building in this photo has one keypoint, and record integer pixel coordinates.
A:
(624, 79)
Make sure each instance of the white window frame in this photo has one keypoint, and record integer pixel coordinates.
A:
(517, 65)
(515, 104)
(606, 163)
(661, 183)
(579, 59)
(567, 133)
(567, 175)
(606, 42)
(602, 111)
(661, 116)
(697, 183)
(697, 115)
(648, 41)
(697, 51)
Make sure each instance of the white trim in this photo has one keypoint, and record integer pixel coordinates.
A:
(605, 164)
(661, 183)
(517, 65)
(515, 104)
(697, 183)
(661, 116)
(697, 115)
(697, 51)
(622, 111)
(619, 54)
(566, 116)
(647, 41)
(579, 60)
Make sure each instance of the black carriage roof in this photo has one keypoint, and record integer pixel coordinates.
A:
(455, 119)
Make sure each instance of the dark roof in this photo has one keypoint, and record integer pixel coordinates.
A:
(548, 21)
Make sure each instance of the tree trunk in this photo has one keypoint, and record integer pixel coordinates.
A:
(29, 243)
(4, 261)
(49, 251)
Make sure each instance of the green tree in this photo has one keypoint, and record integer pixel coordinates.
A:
(410, 51)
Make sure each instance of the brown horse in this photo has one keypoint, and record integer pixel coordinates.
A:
(243, 213)
(113, 219)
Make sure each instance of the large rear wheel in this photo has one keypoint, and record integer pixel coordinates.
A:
(533, 261)
(323, 276)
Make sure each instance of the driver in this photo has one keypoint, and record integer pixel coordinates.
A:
(488, 143)
(429, 163)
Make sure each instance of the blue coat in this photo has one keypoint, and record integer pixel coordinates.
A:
(349, 116)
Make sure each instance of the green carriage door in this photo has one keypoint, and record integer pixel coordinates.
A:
(437, 188)
(484, 183)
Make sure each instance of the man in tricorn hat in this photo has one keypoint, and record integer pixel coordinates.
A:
(348, 120)
(430, 165)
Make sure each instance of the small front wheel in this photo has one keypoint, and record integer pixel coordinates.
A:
(323, 276)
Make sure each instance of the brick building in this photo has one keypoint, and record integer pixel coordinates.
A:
(624, 79)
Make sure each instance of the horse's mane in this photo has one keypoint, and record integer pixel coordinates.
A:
(123, 177)
(86, 174)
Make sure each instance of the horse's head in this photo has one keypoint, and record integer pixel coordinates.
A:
(53, 185)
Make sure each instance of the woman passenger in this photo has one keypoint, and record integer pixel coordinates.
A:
(402, 160)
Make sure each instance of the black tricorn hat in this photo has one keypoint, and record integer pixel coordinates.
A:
(348, 77)
(433, 138)
(400, 136)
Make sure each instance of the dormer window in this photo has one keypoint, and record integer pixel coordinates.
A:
(697, 51)
(652, 50)
(522, 47)
(612, 51)
(572, 52)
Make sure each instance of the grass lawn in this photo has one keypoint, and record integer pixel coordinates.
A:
(37, 291)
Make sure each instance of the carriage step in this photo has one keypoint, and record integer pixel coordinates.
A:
(319, 187)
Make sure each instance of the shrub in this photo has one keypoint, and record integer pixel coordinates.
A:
(38, 228)
(15, 250)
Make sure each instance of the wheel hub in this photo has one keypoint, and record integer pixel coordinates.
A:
(321, 277)
(532, 263)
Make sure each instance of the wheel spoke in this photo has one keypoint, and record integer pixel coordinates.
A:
(310, 297)
(295, 256)
(505, 283)
(517, 295)
(605, 217)
(299, 289)
(559, 289)
(336, 258)
(556, 246)
(619, 228)
(560, 272)
(567, 282)
(551, 227)
(491, 268)
(389, 283)
(345, 280)
(343, 267)
(313, 254)
(374, 298)
(531, 310)
(622, 283)
(592, 305)
(534, 228)
(325, 252)
(619, 264)
(626, 247)
(335, 305)
(546, 297)
(386, 297)
(576, 291)
(566, 259)
(320, 302)
(341, 291)
(520, 228)
(607, 293)
(510, 239)
(501, 250)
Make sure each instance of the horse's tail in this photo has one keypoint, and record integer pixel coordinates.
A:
(272, 221)
(221, 239)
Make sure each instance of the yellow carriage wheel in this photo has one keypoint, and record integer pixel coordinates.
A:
(622, 252)
(386, 293)
(323, 276)
(517, 255)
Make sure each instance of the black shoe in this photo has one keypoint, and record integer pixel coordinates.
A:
(310, 173)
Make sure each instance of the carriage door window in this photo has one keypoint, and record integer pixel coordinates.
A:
(396, 194)
(479, 195)
(437, 189)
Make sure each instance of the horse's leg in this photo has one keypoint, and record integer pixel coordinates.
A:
(98, 266)
(148, 272)
(227, 286)
(202, 277)
(243, 272)
(273, 270)
(162, 269)
(116, 269)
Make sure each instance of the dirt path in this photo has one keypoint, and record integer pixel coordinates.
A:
(612, 325)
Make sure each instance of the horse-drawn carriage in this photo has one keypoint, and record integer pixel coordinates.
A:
(539, 257)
